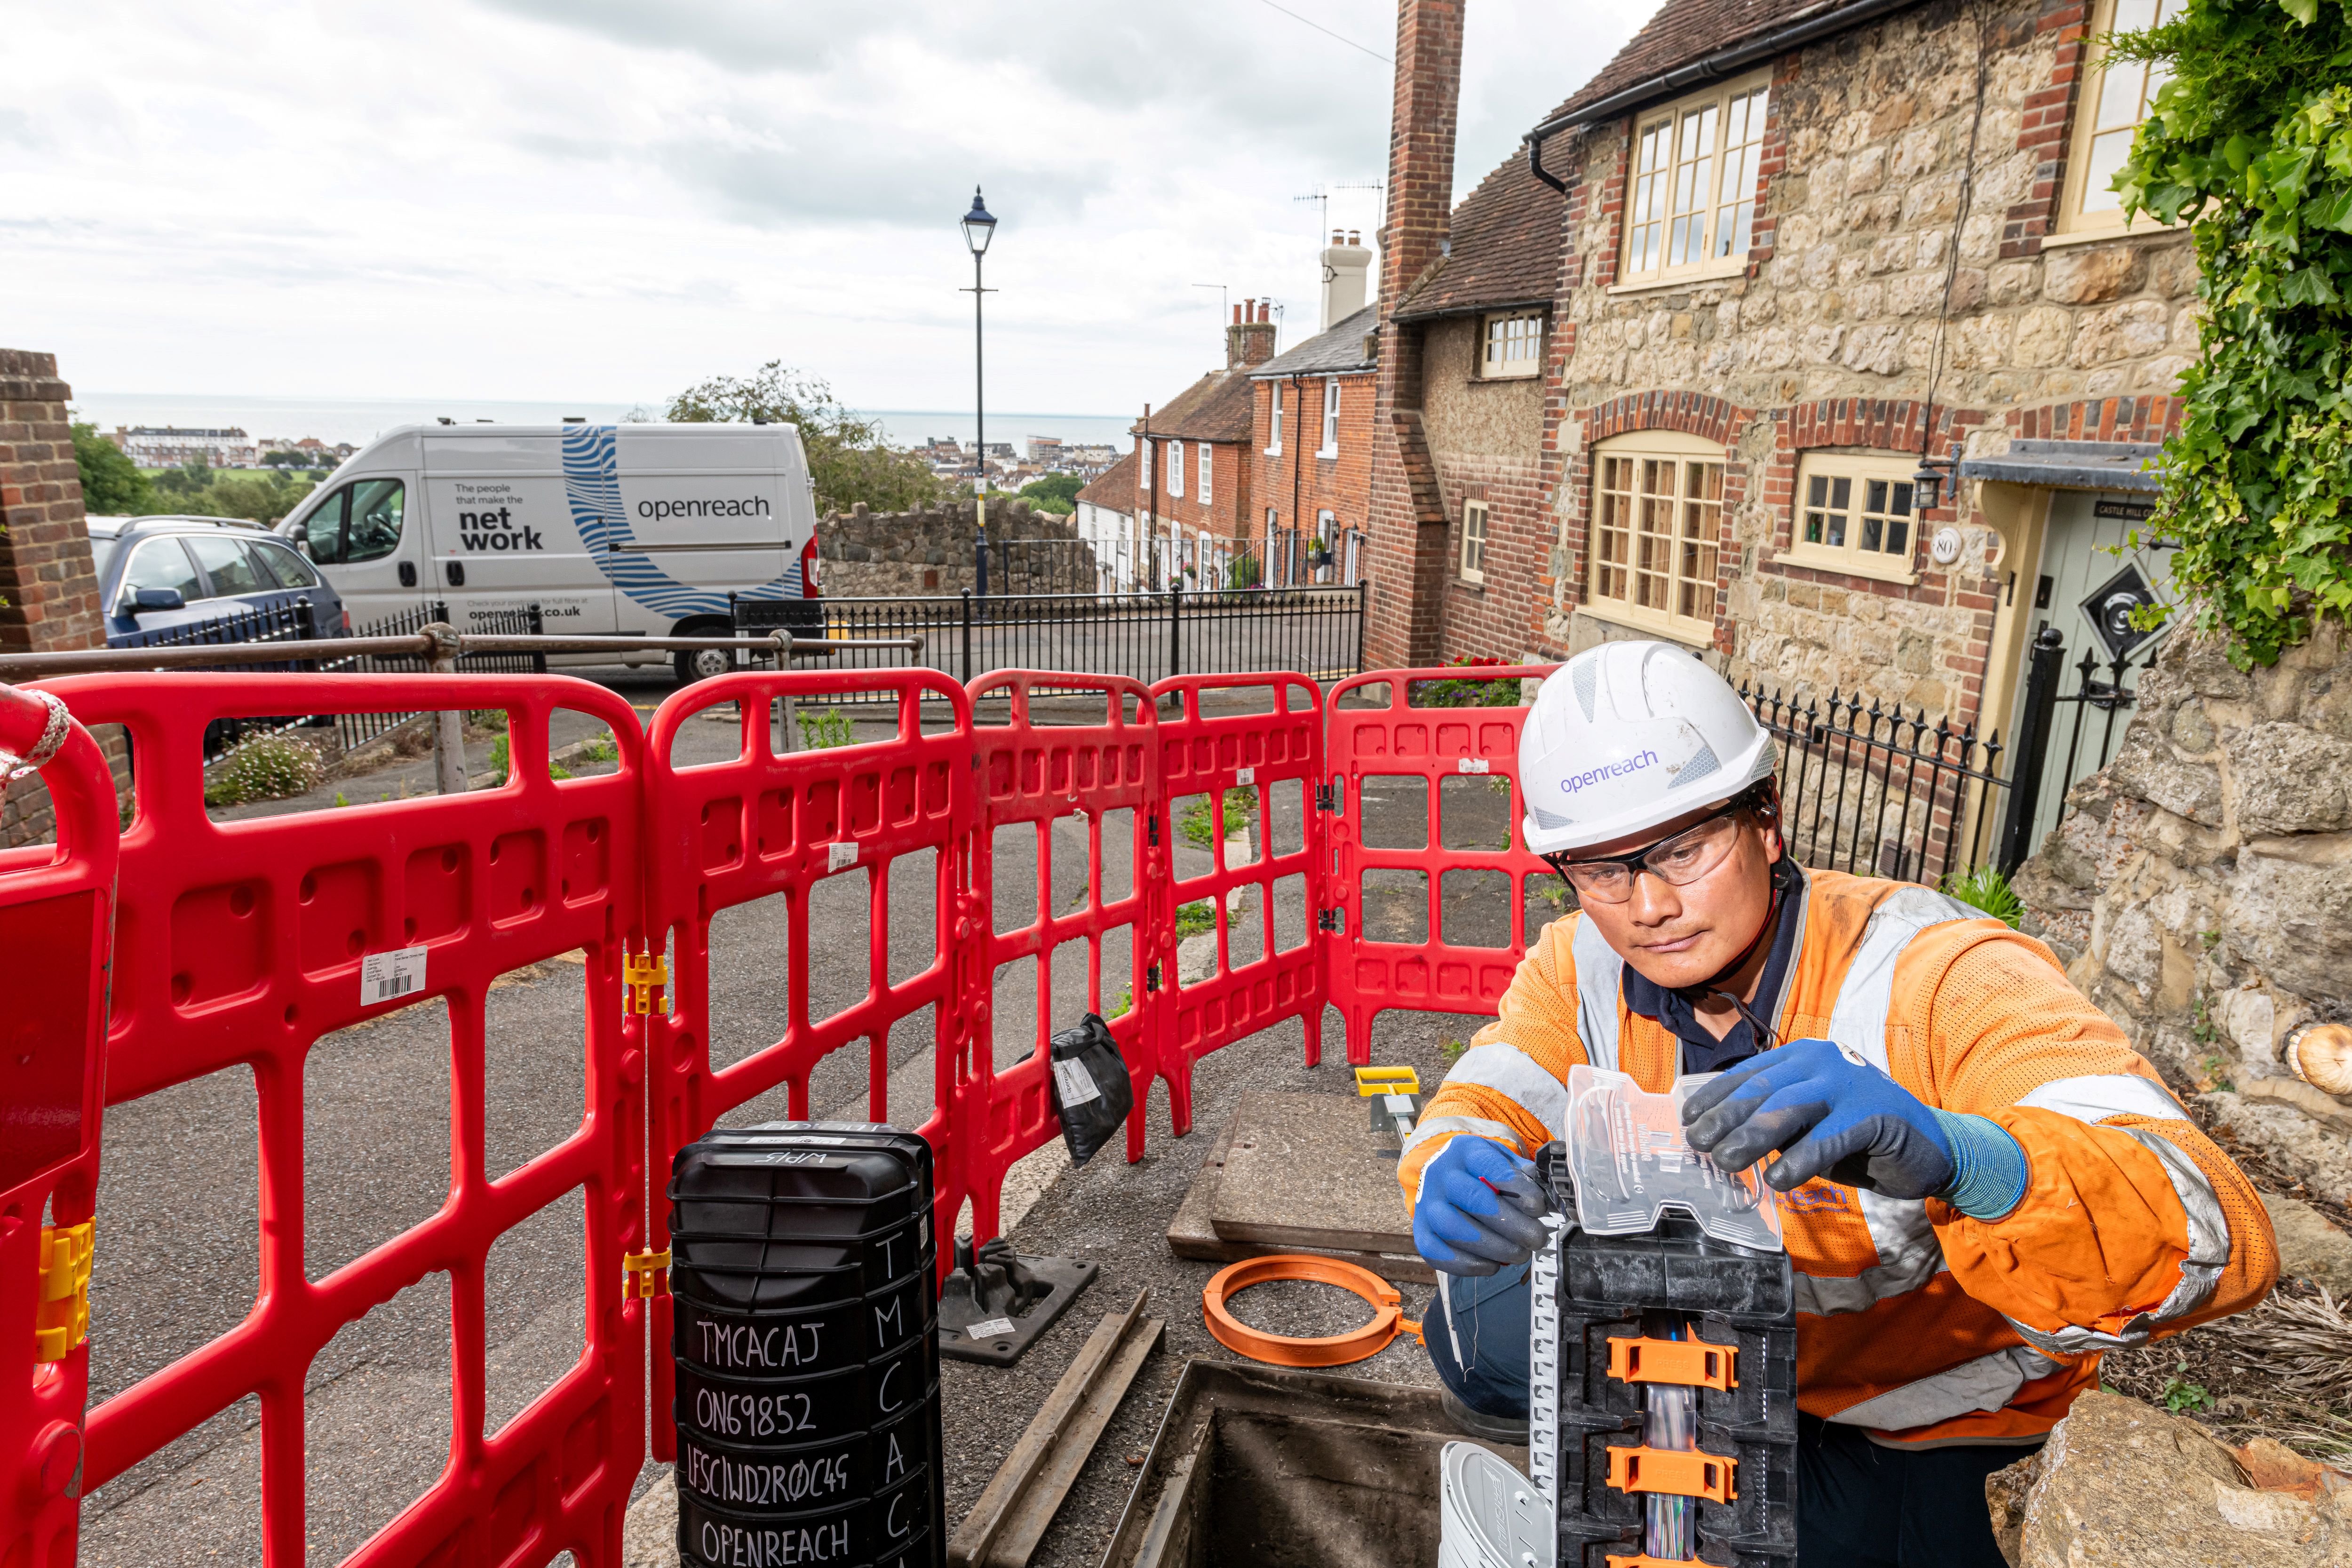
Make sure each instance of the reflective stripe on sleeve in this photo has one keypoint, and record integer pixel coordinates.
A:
(1986, 1383)
(1515, 1075)
(2092, 1098)
(1858, 1018)
(1599, 982)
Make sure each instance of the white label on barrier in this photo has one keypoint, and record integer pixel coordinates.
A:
(1244, 775)
(812, 1138)
(1076, 1088)
(839, 853)
(1473, 766)
(991, 1327)
(384, 976)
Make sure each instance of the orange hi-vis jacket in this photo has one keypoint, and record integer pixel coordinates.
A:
(1915, 1321)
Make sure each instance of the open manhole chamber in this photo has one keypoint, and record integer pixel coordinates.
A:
(1267, 1468)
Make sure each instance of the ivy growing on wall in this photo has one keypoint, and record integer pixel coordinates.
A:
(2252, 140)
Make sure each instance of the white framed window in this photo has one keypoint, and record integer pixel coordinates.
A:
(1330, 417)
(1690, 185)
(1856, 512)
(1274, 424)
(1474, 542)
(1511, 346)
(2114, 100)
(1175, 467)
(1657, 519)
(1208, 458)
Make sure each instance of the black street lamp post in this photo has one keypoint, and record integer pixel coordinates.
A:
(979, 228)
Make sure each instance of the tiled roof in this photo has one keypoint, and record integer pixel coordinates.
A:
(1217, 407)
(1505, 247)
(1681, 31)
(1342, 348)
(1114, 487)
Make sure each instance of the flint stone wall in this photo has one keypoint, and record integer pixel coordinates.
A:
(894, 555)
(2200, 888)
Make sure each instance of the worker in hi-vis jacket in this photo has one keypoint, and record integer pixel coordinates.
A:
(1985, 1186)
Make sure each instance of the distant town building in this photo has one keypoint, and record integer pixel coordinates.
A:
(1194, 523)
(173, 445)
(1106, 519)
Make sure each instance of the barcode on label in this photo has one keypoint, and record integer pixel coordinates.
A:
(1076, 1088)
(1473, 766)
(990, 1327)
(839, 853)
(386, 976)
(1244, 775)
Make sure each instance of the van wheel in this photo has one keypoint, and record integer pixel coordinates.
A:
(701, 664)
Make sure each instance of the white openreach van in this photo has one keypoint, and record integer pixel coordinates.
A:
(632, 529)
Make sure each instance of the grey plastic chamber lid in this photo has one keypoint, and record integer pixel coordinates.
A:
(1631, 1164)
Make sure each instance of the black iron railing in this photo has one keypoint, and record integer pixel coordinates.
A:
(1317, 632)
(1873, 790)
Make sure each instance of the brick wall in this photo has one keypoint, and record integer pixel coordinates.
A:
(1408, 532)
(46, 576)
(1297, 483)
(1228, 513)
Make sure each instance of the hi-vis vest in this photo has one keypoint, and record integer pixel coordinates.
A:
(1915, 1321)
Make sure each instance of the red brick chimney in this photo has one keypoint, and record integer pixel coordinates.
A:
(1405, 606)
(1250, 339)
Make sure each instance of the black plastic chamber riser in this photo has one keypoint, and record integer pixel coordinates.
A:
(803, 1279)
(1727, 1294)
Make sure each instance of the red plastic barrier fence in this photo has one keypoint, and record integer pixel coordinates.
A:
(1272, 759)
(1031, 776)
(56, 908)
(241, 943)
(773, 824)
(1376, 734)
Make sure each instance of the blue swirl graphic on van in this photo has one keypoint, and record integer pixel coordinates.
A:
(591, 485)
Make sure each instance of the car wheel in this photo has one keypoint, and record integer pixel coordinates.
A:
(701, 664)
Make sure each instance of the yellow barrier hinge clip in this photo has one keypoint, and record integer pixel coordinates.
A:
(61, 1321)
(645, 1274)
(645, 975)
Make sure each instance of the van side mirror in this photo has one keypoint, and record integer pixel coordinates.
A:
(158, 599)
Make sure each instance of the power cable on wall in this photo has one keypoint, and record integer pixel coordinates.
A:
(1952, 258)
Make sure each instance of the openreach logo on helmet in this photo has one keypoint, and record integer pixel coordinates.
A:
(1607, 771)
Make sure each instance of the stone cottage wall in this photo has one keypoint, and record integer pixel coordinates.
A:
(893, 554)
(1828, 338)
(2200, 888)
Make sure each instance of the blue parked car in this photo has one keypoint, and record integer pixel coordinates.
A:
(158, 573)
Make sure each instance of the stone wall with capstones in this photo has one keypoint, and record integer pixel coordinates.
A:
(891, 554)
(2200, 887)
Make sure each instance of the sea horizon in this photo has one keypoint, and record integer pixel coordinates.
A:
(362, 420)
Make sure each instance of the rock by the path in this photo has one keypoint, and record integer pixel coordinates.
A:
(2310, 1246)
(2124, 1485)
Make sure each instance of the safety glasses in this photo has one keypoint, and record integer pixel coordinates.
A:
(1678, 861)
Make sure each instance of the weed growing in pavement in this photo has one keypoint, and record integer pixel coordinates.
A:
(268, 767)
(486, 718)
(821, 731)
(601, 749)
(1199, 824)
(2182, 1395)
(1196, 918)
(1451, 1049)
(341, 800)
(1122, 1006)
(498, 769)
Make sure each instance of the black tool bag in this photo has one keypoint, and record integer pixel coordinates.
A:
(1091, 1091)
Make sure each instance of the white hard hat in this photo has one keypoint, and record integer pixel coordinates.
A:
(1628, 735)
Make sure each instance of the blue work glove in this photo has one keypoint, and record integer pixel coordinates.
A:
(1829, 1114)
(1480, 1208)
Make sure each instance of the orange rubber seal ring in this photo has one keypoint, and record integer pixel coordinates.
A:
(1288, 1349)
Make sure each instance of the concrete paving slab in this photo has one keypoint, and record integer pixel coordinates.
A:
(1191, 1234)
(1306, 1170)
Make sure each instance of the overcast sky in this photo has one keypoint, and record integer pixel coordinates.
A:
(610, 199)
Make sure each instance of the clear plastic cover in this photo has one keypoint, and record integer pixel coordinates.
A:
(1631, 1162)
